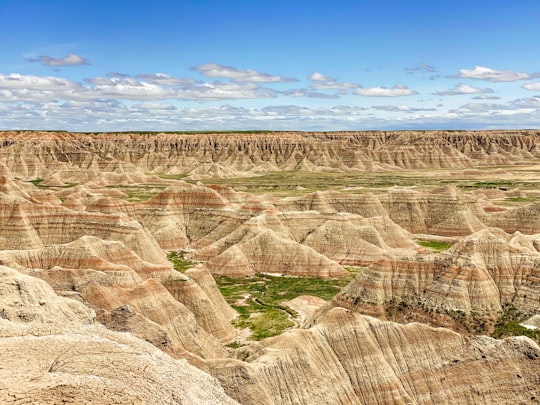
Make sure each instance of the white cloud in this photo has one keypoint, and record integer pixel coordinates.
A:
(17, 87)
(397, 91)
(319, 77)
(492, 75)
(117, 74)
(323, 82)
(333, 86)
(116, 115)
(239, 75)
(401, 108)
(126, 88)
(163, 79)
(422, 67)
(69, 60)
(101, 103)
(529, 102)
(288, 111)
(484, 97)
(17, 81)
(463, 89)
(307, 93)
(152, 107)
(223, 91)
(295, 92)
(346, 110)
(532, 86)
(482, 107)
(516, 114)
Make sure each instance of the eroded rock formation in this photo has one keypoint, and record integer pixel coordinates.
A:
(365, 360)
(55, 351)
(69, 156)
(83, 262)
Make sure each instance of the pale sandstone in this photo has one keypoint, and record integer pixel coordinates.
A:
(480, 274)
(53, 351)
(365, 360)
(76, 156)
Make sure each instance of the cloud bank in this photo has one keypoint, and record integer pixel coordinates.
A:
(69, 60)
(399, 90)
(492, 75)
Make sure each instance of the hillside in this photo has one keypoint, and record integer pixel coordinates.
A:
(270, 268)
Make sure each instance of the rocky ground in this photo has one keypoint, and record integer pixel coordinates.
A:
(427, 245)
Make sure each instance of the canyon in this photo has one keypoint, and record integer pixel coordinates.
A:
(372, 267)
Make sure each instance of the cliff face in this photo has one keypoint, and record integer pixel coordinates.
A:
(478, 277)
(54, 351)
(75, 156)
(364, 360)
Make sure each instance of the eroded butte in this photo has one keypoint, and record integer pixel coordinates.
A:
(270, 268)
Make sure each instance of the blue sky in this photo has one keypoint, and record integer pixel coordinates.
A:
(299, 65)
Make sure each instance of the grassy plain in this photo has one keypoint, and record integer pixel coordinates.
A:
(291, 183)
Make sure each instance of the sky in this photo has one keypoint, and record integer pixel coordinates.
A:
(273, 65)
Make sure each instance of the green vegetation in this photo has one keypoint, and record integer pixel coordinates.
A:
(287, 183)
(293, 183)
(140, 192)
(504, 185)
(235, 345)
(509, 325)
(494, 184)
(434, 245)
(259, 299)
(38, 183)
(173, 176)
(516, 201)
(179, 260)
(520, 199)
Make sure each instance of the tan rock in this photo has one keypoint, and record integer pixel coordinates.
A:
(365, 360)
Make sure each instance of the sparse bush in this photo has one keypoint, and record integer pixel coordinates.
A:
(179, 260)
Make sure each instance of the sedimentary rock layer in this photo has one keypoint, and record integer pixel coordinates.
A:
(349, 359)
(478, 276)
(54, 351)
(69, 156)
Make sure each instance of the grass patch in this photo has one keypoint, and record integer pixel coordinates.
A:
(515, 201)
(293, 183)
(36, 182)
(173, 176)
(434, 245)
(140, 193)
(504, 185)
(259, 299)
(235, 345)
(509, 325)
(296, 183)
(522, 199)
(179, 260)
(519, 199)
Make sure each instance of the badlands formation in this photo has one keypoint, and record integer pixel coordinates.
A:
(137, 267)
